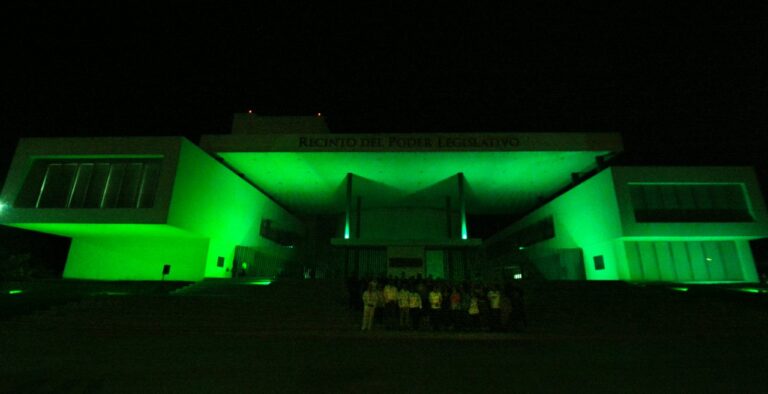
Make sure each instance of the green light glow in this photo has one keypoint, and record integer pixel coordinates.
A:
(15, 291)
(348, 210)
(210, 200)
(462, 205)
(260, 282)
(592, 230)
(750, 290)
(679, 288)
(313, 182)
(211, 211)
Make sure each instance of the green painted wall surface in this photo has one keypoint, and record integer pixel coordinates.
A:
(597, 216)
(211, 201)
(585, 217)
(407, 223)
(135, 258)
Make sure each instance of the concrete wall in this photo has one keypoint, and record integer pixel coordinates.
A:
(683, 247)
(202, 211)
(211, 201)
(597, 216)
(135, 258)
(407, 223)
(744, 176)
(31, 149)
(585, 217)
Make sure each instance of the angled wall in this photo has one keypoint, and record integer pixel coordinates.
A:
(586, 218)
(211, 201)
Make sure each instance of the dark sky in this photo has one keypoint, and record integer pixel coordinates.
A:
(686, 85)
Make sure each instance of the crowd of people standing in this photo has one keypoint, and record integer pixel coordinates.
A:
(425, 304)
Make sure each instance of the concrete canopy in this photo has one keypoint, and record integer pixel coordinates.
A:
(307, 174)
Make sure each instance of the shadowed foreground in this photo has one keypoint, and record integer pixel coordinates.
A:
(299, 337)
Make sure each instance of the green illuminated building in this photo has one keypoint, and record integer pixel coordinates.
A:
(281, 194)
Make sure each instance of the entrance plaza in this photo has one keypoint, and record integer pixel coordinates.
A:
(299, 336)
(239, 264)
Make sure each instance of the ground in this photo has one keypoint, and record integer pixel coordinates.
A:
(99, 345)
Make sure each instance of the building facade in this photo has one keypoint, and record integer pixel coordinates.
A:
(281, 195)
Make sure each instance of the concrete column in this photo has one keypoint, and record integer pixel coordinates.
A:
(462, 206)
(348, 216)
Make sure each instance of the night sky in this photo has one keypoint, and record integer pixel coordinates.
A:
(683, 86)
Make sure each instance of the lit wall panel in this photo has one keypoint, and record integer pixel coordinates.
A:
(135, 258)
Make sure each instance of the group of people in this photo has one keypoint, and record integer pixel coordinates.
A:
(416, 304)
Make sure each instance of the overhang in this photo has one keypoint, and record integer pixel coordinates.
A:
(505, 172)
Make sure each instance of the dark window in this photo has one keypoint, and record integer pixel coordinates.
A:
(276, 235)
(405, 262)
(599, 262)
(689, 203)
(539, 231)
(112, 183)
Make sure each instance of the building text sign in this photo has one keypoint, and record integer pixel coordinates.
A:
(405, 142)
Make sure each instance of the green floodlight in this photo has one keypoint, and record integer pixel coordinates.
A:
(749, 290)
(262, 282)
(15, 291)
(679, 288)
(3, 205)
(112, 293)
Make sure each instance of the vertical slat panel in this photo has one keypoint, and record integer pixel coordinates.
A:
(698, 263)
(731, 262)
(681, 261)
(714, 261)
(648, 258)
(634, 263)
(664, 258)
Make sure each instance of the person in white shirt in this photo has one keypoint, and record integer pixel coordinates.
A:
(494, 298)
(474, 311)
(370, 297)
(390, 305)
(414, 308)
(403, 303)
(435, 303)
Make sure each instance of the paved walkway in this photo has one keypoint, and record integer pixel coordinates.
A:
(204, 344)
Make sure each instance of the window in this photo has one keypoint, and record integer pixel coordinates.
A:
(276, 235)
(689, 203)
(405, 262)
(536, 232)
(114, 183)
(599, 262)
